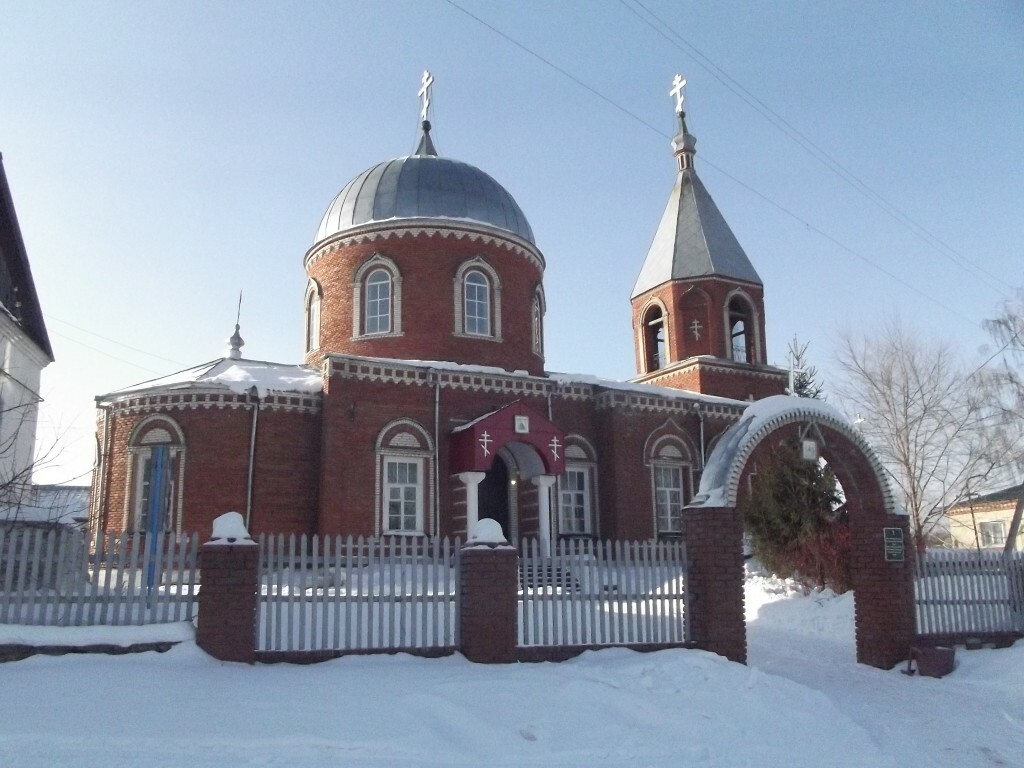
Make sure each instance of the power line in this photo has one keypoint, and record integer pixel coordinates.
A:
(821, 155)
(106, 354)
(112, 341)
(817, 152)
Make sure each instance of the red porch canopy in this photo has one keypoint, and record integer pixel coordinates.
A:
(473, 446)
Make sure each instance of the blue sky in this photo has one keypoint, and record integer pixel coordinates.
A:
(164, 156)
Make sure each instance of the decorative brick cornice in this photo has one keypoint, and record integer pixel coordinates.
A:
(376, 231)
(209, 397)
(402, 372)
(716, 365)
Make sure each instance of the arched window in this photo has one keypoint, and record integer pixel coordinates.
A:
(654, 338)
(378, 302)
(477, 300)
(577, 491)
(537, 323)
(405, 460)
(671, 482)
(157, 462)
(742, 331)
(377, 298)
(477, 304)
(313, 296)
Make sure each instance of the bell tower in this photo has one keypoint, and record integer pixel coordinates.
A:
(698, 303)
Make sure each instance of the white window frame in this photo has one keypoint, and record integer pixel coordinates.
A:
(371, 265)
(668, 511)
(313, 298)
(383, 320)
(477, 264)
(476, 303)
(572, 499)
(388, 485)
(987, 528)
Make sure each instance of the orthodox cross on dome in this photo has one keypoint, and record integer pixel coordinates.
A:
(678, 84)
(424, 93)
(696, 327)
(485, 441)
(554, 445)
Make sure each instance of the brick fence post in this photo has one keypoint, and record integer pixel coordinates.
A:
(714, 552)
(489, 603)
(228, 598)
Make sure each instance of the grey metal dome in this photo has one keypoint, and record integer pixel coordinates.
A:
(423, 186)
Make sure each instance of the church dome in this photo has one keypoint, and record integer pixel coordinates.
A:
(424, 186)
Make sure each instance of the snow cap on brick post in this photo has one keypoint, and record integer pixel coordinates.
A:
(229, 529)
(487, 533)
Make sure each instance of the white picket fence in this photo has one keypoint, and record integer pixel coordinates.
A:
(59, 577)
(346, 594)
(962, 591)
(603, 593)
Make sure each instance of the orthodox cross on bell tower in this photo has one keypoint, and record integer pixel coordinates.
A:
(424, 94)
(677, 92)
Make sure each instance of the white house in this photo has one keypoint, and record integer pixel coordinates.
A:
(24, 352)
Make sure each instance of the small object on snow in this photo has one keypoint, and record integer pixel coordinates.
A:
(931, 662)
(229, 528)
(487, 531)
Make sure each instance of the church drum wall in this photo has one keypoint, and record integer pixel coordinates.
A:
(428, 265)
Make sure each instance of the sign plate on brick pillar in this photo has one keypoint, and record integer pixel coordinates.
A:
(893, 545)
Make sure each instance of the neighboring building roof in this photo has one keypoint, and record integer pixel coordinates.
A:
(423, 186)
(693, 239)
(1011, 494)
(236, 375)
(57, 504)
(17, 290)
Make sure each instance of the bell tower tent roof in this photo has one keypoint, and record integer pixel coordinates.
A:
(693, 239)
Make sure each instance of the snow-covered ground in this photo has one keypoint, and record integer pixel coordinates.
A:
(801, 702)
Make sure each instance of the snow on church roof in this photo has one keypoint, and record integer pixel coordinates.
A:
(238, 376)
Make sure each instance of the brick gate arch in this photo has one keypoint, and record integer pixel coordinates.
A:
(712, 526)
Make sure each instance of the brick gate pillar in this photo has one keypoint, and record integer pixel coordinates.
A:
(488, 602)
(714, 552)
(229, 566)
(883, 593)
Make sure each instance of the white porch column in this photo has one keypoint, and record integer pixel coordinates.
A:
(472, 482)
(544, 483)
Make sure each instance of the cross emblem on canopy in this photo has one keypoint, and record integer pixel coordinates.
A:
(485, 441)
(424, 93)
(696, 327)
(554, 445)
(678, 84)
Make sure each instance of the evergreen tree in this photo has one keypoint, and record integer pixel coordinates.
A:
(805, 375)
(797, 524)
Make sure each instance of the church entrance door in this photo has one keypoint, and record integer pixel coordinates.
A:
(493, 496)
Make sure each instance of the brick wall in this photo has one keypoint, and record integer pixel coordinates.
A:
(428, 264)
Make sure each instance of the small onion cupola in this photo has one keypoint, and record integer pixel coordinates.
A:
(429, 258)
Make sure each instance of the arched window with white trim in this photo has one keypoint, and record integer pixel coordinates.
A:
(156, 452)
(377, 312)
(405, 484)
(577, 489)
(655, 346)
(671, 483)
(477, 300)
(313, 297)
(537, 322)
(377, 298)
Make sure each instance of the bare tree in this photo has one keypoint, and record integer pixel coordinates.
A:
(925, 415)
(1005, 388)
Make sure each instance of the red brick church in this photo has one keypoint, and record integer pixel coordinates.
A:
(423, 402)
